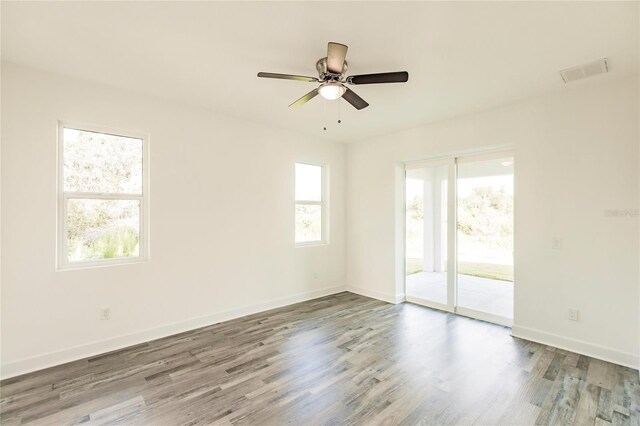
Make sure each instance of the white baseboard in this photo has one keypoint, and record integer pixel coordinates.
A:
(578, 346)
(51, 359)
(374, 294)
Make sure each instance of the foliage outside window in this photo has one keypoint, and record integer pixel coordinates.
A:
(102, 208)
(309, 208)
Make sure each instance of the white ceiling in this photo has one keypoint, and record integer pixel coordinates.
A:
(461, 56)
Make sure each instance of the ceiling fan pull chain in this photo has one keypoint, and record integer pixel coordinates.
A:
(339, 109)
(324, 113)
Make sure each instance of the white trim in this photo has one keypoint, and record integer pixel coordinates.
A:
(429, 304)
(436, 162)
(456, 154)
(103, 195)
(62, 263)
(304, 244)
(107, 130)
(593, 350)
(452, 234)
(465, 312)
(484, 316)
(379, 295)
(493, 155)
(400, 223)
(27, 365)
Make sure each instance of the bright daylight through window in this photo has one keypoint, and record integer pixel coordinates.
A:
(102, 196)
(309, 204)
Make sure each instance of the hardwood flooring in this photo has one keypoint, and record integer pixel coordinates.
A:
(341, 359)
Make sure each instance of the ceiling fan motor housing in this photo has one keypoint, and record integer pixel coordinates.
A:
(324, 74)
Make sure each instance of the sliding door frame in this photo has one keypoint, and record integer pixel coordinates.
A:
(452, 235)
(451, 245)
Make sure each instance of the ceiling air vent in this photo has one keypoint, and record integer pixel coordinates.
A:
(583, 71)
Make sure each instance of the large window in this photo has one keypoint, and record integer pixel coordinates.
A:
(102, 197)
(310, 208)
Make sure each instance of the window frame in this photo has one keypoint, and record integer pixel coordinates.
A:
(323, 203)
(62, 261)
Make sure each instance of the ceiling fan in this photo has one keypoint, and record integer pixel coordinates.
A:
(332, 80)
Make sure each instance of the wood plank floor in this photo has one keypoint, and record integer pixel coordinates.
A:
(341, 359)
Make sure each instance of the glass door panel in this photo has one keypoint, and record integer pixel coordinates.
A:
(426, 195)
(484, 234)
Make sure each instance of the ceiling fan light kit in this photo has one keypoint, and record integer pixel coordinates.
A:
(332, 79)
(331, 90)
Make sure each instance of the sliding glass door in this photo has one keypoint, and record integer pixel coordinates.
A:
(459, 235)
(485, 236)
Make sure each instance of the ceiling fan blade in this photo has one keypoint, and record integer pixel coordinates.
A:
(306, 98)
(336, 53)
(385, 77)
(355, 100)
(287, 77)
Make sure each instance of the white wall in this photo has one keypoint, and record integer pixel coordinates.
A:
(576, 155)
(221, 194)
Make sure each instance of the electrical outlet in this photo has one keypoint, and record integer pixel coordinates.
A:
(556, 243)
(572, 314)
(105, 313)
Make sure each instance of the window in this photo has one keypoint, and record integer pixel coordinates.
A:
(102, 197)
(310, 208)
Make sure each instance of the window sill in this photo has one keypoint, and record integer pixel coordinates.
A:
(311, 244)
(100, 264)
